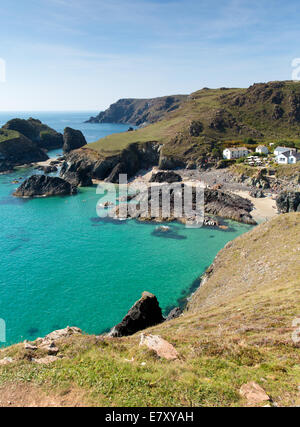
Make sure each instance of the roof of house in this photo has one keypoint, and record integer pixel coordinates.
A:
(285, 149)
(261, 146)
(236, 149)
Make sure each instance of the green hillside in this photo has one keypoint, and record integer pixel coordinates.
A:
(214, 118)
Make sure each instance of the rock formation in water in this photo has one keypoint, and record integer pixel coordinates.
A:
(144, 314)
(73, 139)
(16, 149)
(45, 186)
(39, 133)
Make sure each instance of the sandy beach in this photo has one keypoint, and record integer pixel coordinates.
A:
(264, 208)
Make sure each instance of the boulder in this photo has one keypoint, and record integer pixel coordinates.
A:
(160, 346)
(254, 393)
(165, 176)
(44, 186)
(144, 314)
(73, 139)
(288, 201)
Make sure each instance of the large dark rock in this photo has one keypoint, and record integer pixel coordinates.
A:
(144, 314)
(168, 177)
(39, 133)
(77, 174)
(73, 139)
(45, 186)
(288, 201)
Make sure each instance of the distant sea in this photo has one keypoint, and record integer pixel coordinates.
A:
(60, 266)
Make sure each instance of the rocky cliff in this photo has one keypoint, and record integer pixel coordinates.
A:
(85, 164)
(139, 111)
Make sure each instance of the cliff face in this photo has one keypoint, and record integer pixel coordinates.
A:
(139, 111)
(16, 149)
(86, 164)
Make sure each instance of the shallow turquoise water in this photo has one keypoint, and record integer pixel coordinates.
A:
(60, 266)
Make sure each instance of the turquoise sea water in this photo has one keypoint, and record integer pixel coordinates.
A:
(61, 266)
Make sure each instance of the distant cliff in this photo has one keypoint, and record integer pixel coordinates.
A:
(139, 111)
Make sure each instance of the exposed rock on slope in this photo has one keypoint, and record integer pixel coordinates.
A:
(44, 186)
(288, 201)
(39, 133)
(139, 111)
(16, 149)
(73, 139)
(145, 313)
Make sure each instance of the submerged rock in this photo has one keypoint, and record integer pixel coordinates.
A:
(288, 201)
(73, 139)
(145, 313)
(44, 186)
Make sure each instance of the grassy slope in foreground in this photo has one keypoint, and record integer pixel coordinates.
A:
(238, 328)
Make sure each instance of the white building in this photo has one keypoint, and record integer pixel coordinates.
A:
(280, 150)
(288, 158)
(262, 149)
(235, 153)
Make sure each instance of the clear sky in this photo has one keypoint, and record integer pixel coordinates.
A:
(86, 54)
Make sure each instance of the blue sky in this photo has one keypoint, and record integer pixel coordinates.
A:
(86, 54)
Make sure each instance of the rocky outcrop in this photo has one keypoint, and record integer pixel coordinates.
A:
(228, 205)
(144, 314)
(39, 133)
(174, 314)
(81, 166)
(16, 149)
(45, 186)
(73, 139)
(288, 201)
(168, 177)
(216, 202)
(139, 111)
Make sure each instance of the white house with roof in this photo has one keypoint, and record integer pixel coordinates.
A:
(262, 149)
(235, 153)
(280, 150)
(288, 157)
